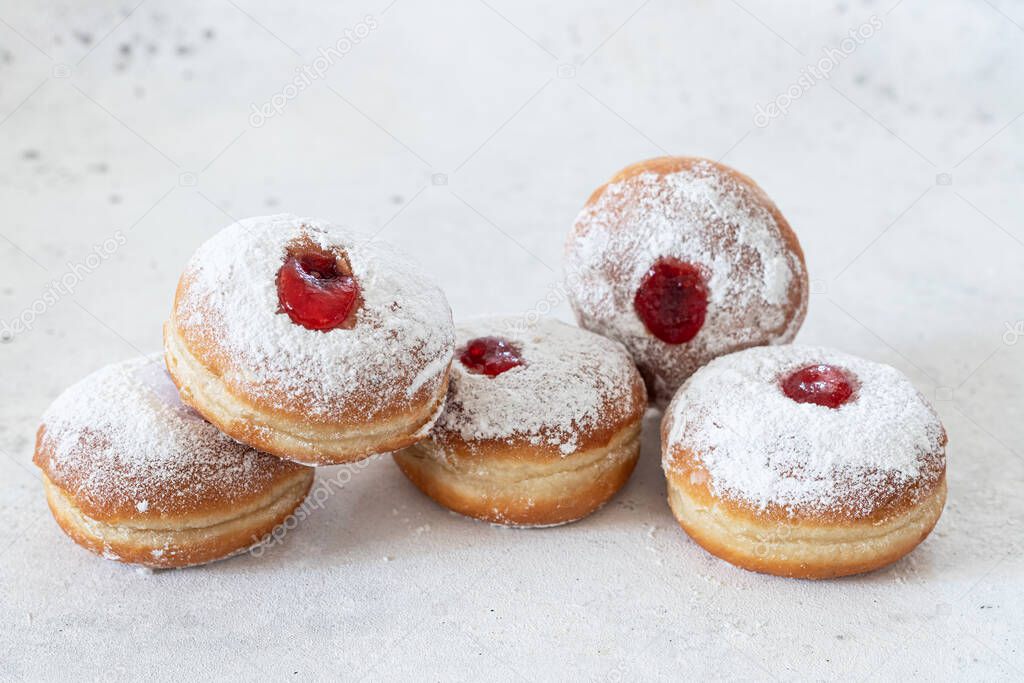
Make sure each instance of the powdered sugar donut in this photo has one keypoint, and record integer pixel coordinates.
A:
(300, 339)
(803, 461)
(541, 426)
(683, 260)
(134, 475)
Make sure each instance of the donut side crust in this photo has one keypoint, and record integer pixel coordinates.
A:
(162, 495)
(514, 489)
(281, 433)
(166, 543)
(804, 547)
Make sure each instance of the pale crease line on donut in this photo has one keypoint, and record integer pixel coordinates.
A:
(614, 452)
(473, 486)
(227, 409)
(186, 522)
(112, 534)
(923, 514)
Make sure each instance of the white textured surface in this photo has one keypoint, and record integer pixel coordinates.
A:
(381, 582)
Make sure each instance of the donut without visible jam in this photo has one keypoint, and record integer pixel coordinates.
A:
(134, 475)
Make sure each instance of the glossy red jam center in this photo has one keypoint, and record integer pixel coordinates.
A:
(314, 291)
(672, 300)
(824, 385)
(490, 356)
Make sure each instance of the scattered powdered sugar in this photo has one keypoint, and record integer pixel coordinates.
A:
(402, 340)
(701, 215)
(121, 439)
(763, 448)
(571, 381)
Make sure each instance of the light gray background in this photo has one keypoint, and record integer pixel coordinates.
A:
(136, 118)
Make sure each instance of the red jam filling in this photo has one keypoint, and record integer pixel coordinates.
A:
(824, 385)
(315, 290)
(672, 300)
(490, 356)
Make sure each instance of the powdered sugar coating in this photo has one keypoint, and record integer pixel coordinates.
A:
(572, 382)
(120, 441)
(763, 449)
(396, 353)
(698, 212)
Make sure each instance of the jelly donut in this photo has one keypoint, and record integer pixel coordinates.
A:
(803, 461)
(541, 426)
(302, 340)
(134, 475)
(683, 260)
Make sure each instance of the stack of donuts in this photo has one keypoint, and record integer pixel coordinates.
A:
(293, 343)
